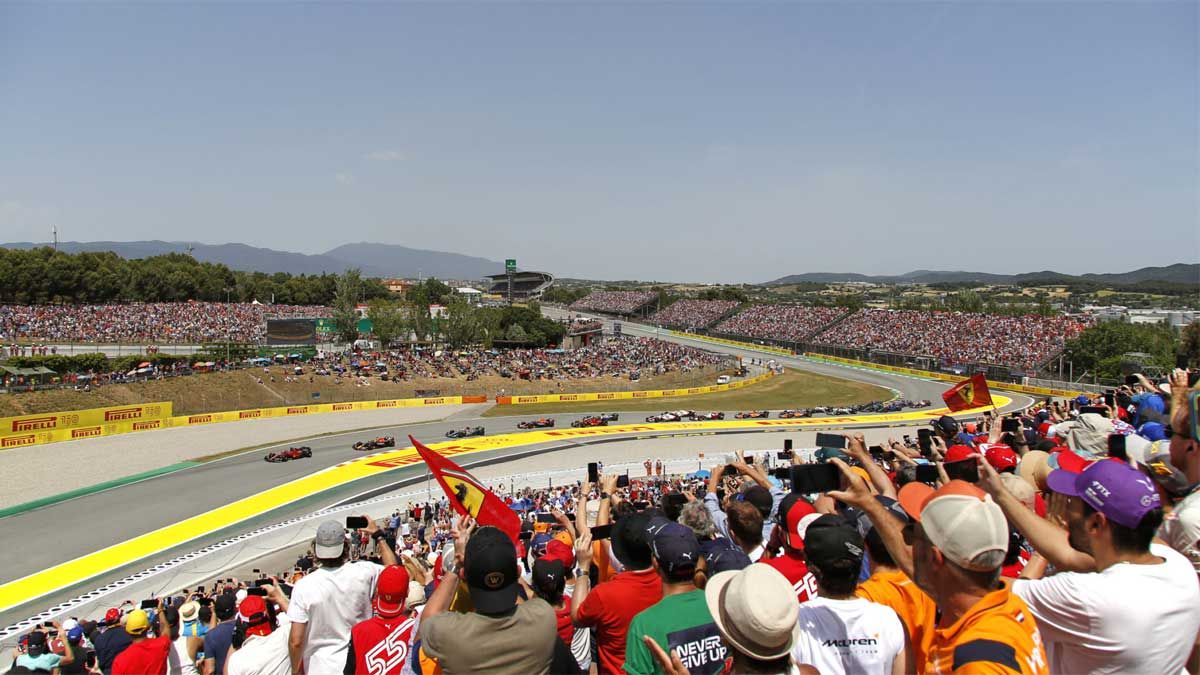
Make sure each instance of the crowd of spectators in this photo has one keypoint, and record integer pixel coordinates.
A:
(790, 323)
(1053, 540)
(614, 302)
(954, 337)
(146, 323)
(692, 313)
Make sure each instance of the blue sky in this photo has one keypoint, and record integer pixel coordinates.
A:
(673, 141)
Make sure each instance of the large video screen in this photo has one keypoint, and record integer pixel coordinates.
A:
(291, 331)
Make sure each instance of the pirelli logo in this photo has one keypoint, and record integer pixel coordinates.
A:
(249, 414)
(605, 397)
(122, 414)
(87, 432)
(395, 462)
(528, 399)
(298, 410)
(200, 419)
(144, 426)
(385, 404)
(35, 423)
(639, 394)
(343, 406)
(18, 441)
(695, 390)
(435, 401)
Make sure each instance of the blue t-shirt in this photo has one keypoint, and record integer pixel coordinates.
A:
(216, 644)
(109, 645)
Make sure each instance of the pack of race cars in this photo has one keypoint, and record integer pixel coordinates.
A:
(600, 420)
(681, 415)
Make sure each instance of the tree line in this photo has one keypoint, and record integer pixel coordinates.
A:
(43, 276)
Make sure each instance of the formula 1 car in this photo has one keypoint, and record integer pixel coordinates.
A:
(465, 432)
(541, 423)
(289, 454)
(591, 421)
(794, 414)
(709, 416)
(753, 415)
(609, 417)
(672, 416)
(375, 443)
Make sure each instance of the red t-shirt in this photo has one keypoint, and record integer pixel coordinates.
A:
(611, 606)
(797, 574)
(382, 646)
(566, 629)
(148, 657)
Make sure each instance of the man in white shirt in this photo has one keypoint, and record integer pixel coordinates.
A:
(1095, 618)
(264, 650)
(839, 632)
(328, 602)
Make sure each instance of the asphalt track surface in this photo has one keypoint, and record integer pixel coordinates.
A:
(42, 538)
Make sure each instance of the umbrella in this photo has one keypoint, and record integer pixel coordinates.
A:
(702, 473)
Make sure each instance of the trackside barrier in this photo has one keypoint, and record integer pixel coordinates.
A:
(1020, 388)
(627, 395)
(734, 343)
(25, 430)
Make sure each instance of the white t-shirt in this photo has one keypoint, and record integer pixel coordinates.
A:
(844, 637)
(1126, 619)
(1181, 529)
(263, 654)
(331, 602)
(178, 661)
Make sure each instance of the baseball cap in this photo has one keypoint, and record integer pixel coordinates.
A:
(137, 622)
(416, 594)
(252, 612)
(225, 606)
(36, 643)
(674, 546)
(760, 497)
(830, 540)
(556, 550)
(795, 524)
(490, 570)
(1087, 434)
(547, 573)
(1123, 494)
(945, 424)
(74, 633)
(755, 610)
(630, 541)
(1000, 456)
(1155, 460)
(959, 519)
(722, 555)
(1020, 489)
(330, 540)
(958, 453)
(188, 611)
(391, 590)
(112, 616)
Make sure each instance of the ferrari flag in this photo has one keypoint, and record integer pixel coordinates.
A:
(972, 393)
(467, 495)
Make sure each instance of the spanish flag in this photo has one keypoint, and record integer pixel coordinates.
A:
(467, 495)
(972, 393)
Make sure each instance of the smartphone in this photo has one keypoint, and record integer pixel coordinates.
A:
(1099, 410)
(623, 480)
(783, 454)
(527, 534)
(256, 591)
(1110, 399)
(1116, 446)
(150, 603)
(729, 471)
(749, 459)
(1132, 380)
(927, 473)
(1010, 425)
(925, 440)
(204, 602)
(601, 532)
(261, 582)
(546, 518)
(787, 445)
(831, 441)
(876, 451)
(593, 472)
(782, 472)
(811, 478)
(356, 522)
(257, 571)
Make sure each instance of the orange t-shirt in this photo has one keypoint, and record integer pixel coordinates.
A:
(997, 636)
(893, 588)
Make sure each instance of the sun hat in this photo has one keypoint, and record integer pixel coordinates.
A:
(755, 610)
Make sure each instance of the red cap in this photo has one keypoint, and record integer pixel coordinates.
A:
(958, 453)
(1000, 456)
(253, 613)
(391, 590)
(795, 533)
(556, 550)
(112, 616)
(1069, 461)
(1043, 428)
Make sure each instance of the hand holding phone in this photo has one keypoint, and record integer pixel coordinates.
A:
(831, 441)
(356, 522)
(813, 478)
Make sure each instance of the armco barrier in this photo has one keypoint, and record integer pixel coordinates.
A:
(1020, 388)
(734, 343)
(627, 395)
(34, 429)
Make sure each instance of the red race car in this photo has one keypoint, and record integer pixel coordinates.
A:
(376, 443)
(540, 423)
(289, 454)
(590, 421)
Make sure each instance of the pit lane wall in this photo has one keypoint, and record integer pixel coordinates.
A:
(76, 424)
(628, 395)
(734, 343)
(993, 384)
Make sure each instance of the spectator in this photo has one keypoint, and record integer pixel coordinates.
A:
(38, 657)
(264, 647)
(786, 323)
(328, 602)
(500, 636)
(189, 613)
(218, 639)
(745, 528)
(798, 514)
(109, 640)
(720, 554)
(690, 314)
(382, 645)
(842, 633)
(181, 660)
(614, 302)
(680, 621)
(1118, 577)
(75, 655)
(145, 655)
(613, 604)
(549, 582)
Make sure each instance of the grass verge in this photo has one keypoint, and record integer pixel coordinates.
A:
(792, 389)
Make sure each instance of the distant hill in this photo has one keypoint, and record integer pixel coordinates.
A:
(375, 260)
(1181, 273)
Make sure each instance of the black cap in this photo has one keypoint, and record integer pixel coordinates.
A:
(36, 643)
(548, 574)
(225, 606)
(761, 498)
(945, 424)
(830, 541)
(490, 570)
(631, 542)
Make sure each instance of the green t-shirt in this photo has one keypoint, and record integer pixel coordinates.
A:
(679, 623)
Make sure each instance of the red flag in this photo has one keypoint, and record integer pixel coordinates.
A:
(971, 393)
(467, 495)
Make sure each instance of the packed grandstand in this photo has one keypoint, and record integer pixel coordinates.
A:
(1018, 544)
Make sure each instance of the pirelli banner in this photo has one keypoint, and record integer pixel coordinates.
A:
(1036, 391)
(73, 424)
(627, 395)
(735, 343)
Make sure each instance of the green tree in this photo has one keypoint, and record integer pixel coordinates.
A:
(515, 333)
(461, 327)
(1101, 348)
(965, 301)
(389, 321)
(1189, 343)
(347, 293)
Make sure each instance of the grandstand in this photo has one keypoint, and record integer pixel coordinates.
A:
(625, 303)
(526, 285)
(692, 314)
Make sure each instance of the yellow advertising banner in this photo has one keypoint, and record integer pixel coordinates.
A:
(27, 425)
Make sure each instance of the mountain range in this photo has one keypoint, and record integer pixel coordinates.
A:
(1181, 273)
(375, 260)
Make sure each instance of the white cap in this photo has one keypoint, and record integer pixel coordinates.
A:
(755, 610)
(961, 520)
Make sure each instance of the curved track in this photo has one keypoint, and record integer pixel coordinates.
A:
(62, 531)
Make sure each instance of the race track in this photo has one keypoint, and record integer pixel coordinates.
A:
(68, 530)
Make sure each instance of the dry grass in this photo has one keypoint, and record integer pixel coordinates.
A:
(793, 389)
(213, 392)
